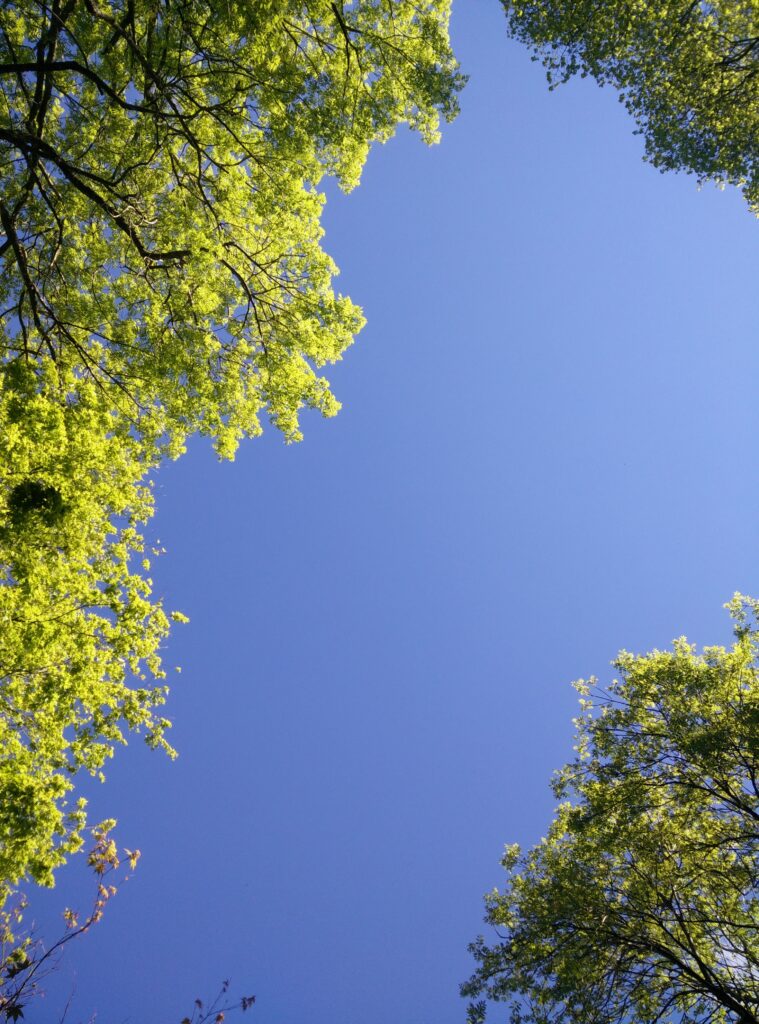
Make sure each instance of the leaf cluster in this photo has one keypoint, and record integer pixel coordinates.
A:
(687, 71)
(642, 902)
(159, 166)
(79, 629)
(161, 273)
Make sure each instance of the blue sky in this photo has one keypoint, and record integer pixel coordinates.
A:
(547, 452)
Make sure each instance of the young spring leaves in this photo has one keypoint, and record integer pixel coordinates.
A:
(162, 274)
(642, 902)
(686, 71)
(159, 202)
(79, 632)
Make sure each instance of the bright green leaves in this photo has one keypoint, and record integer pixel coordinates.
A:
(162, 274)
(160, 206)
(642, 903)
(79, 630)
(161, 219)
(687, 72)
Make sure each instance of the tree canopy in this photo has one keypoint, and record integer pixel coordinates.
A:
(642, 902)
(687, 71)
(162, 274)
(160, 211)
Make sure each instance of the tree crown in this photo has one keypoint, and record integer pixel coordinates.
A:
(642, 902)
(686, 71)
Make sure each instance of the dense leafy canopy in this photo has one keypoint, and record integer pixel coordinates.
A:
(77, 625)
(161, 274)
(642, 902)
(687, 71)
(159, 203)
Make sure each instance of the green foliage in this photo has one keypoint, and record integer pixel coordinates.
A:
(78, 627)
(162, 274)
(160, 210)
(642, 902)
(686, 71)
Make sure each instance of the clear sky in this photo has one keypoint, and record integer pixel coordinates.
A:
(547, 452)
